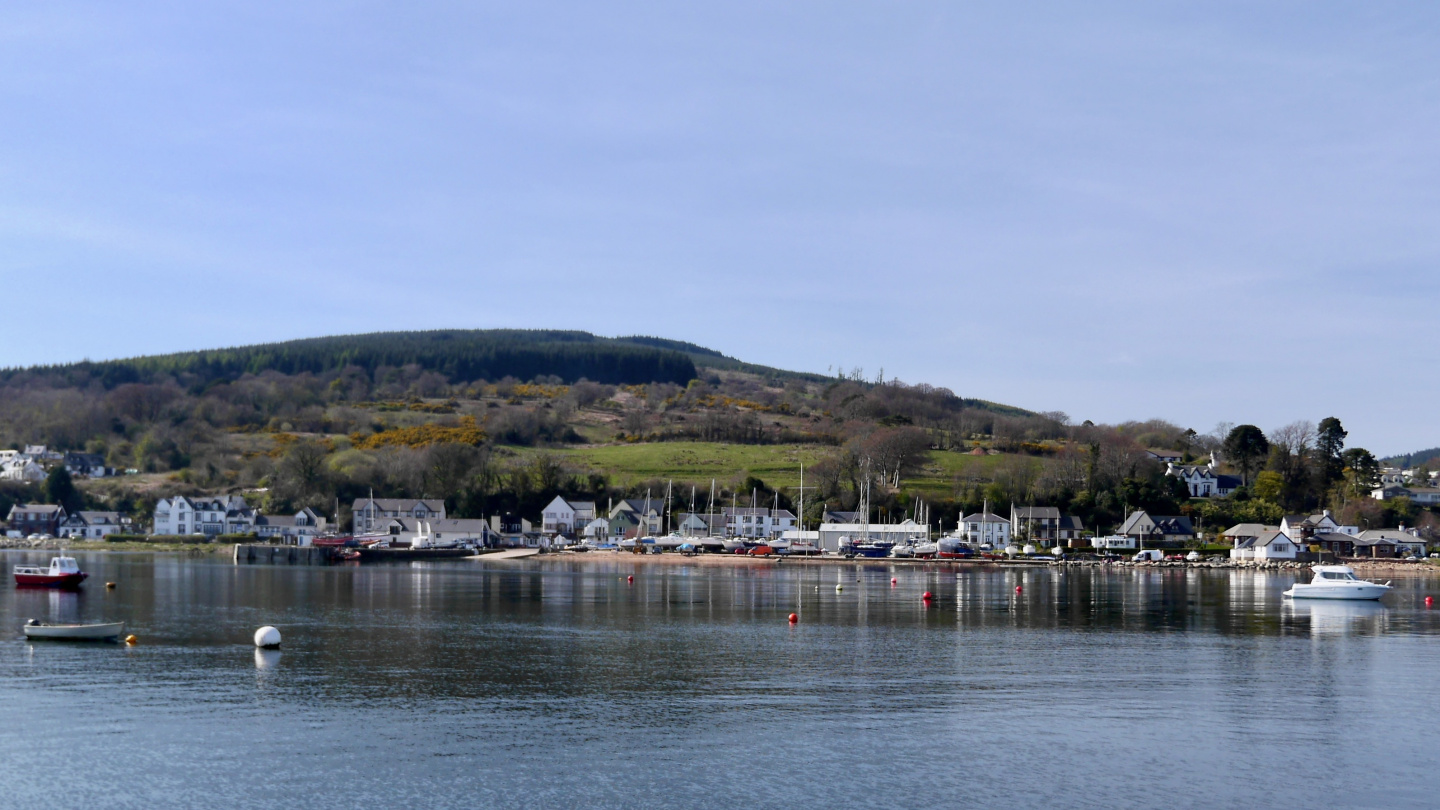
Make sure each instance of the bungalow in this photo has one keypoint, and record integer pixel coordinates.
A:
(1241, 532)
(1113, 542)
(299, 529)
(566, 517)
(1376, 545)
(1164, 530)
(1405, 541)
(35, 518)
(1272, 545)
(91, 525)
(1166, 456)
(836, 516)
(1421, 496)
(371, 512)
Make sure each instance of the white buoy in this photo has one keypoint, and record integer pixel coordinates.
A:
(839, 588)
(267, 638)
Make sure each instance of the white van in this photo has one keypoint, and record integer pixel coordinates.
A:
(1149, 555)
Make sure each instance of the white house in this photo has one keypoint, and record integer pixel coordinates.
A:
(225, 514)
(1203, 482)
(566, 517)
(369, 513)
(757, 522)
(1272, 545)
(1114, 541)
(985, 527)
(19, 468)
(91, 525)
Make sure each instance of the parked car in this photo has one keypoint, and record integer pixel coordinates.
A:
(1148, 555)
(1193, 556)
(761, 551)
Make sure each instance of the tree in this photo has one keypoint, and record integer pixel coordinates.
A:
(1329, 444)
(1268, 486)
(1246, 445)
(60, 489)
(1361, 470)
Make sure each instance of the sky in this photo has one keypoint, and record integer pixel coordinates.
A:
(1202, 212)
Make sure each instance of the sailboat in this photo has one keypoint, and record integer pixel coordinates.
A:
(929, 548)
(802, 545)
(733, 544)
(868, 547)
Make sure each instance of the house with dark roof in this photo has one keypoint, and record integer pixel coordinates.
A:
(370, 512)
(90, 525)
(26, 519)
(650, 511)
(837, 516)
(299, 529)
(87, 465)
(1204, 481)
(1161, 530)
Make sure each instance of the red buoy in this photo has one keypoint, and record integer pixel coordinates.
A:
(794, 618)
(1019, 589)
(1429, 601)
(629, 579)
(893, 580)
(928, 596)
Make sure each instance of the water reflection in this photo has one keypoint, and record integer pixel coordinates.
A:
(1338, 617)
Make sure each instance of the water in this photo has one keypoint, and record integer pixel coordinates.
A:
(528, 684)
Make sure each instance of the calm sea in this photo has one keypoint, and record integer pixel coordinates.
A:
(559, 684)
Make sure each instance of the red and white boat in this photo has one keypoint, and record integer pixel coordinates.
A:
(62, 573)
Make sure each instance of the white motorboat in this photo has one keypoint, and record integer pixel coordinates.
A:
(75, 632)
(1337, 582)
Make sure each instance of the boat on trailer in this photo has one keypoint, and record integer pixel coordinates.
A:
(75, 632)
(63, 572)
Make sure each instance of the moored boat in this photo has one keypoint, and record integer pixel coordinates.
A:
(75, 632)
(1337, 582)
(63, 572)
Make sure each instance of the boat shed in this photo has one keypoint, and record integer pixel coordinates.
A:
(830, 533)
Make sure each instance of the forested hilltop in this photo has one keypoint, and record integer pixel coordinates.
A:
(505, 420)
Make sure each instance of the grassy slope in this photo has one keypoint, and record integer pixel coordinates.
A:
(776, 464)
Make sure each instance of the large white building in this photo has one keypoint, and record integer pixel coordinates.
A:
(757, 522)
(566, 517)
(1204, 482)
(985, 527)
(224, 514)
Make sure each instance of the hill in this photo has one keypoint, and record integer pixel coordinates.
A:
(1420, 457)
(459, 355)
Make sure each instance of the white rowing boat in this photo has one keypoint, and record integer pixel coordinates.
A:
(75, 632)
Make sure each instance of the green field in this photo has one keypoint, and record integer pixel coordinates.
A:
(778, 465)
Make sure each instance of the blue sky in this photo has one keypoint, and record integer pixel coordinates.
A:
(1202, 212)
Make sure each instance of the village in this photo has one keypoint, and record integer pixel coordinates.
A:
(650, 523)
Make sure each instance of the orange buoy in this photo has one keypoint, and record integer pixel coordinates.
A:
(794, 618)
(110, 586)
(132, 639)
